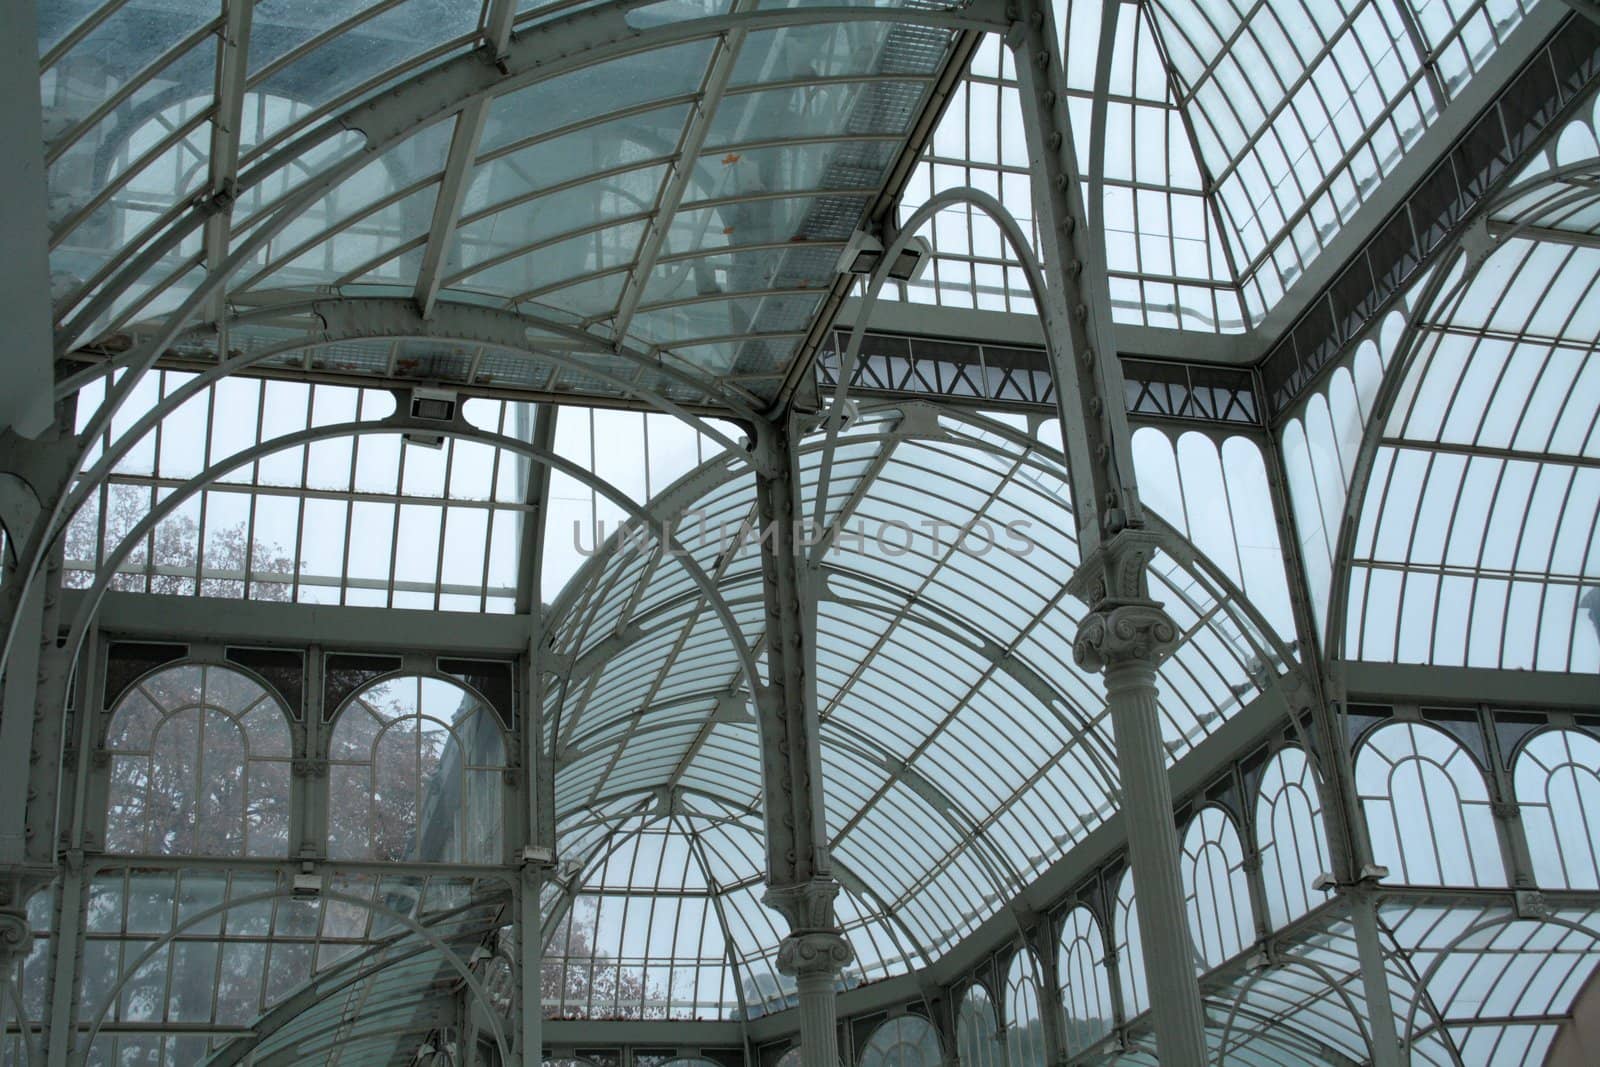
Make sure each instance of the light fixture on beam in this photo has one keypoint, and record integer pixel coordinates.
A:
(430, 405)
(864, 252)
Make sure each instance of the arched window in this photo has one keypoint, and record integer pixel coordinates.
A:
(199, 767)
(1024, 1013)
(1291, 837)
(1215, 889)
(1417, 785)
(977, 1030)
(904, 1041)
(1130, 950)
(1557, 779)
(1085, 987)
(415, 773)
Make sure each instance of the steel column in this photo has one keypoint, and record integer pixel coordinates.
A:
(1374, 979)
(1126, 640)
(800, 881)
(19, 695)
(530, 966)
(1126, 633)
(27, 362)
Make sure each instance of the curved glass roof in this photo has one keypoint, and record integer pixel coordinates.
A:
(679, 192)
(654, 704)
(1241, 139)
(1493, 423)
(643, 204)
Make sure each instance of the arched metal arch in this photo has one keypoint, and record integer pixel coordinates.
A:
(613, 839)
(398, 424)
(1443, 285)
(45, 533)
(1033, 454)
(1424, 1000)
(286, 1011)
(504, 728)
(1239, 1010)
(1097, 749)
(346, 318)
(564, 44)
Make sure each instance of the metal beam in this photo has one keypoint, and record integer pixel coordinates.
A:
(530, 559)
(497, 27)
(25, 360)
(233, 63)
(453, 188)
(1016, 328)
(327, 321)
(1544, 234)
(680, 172)
(148, 616)
(562, 1035)
(1469, 685)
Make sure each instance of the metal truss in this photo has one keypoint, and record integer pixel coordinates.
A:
(1017, 377)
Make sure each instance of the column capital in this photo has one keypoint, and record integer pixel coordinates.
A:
(814, 946)
(1123, 625)
(16, 939)
(814, 953)
(1123, 635)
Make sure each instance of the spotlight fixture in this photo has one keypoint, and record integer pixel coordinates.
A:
(864, 252)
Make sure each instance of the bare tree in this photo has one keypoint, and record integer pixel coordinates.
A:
(171, 555)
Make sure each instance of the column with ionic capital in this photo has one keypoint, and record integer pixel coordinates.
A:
(814, 954)
(16, 941)
(1125, 636)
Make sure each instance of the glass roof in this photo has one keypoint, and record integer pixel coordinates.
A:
(991, 646)
(661, 220)
(1241, 138)
(1494, 422)
(1491, 420)
(1459, 974)
(687, 201)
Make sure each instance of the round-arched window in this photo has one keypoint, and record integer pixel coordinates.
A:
(200, 766)
(1557, 779)
(1291, 837)
(1024, 1013)
(1085, 987)
(905, 1041)
(1427, 808)
(977, 1029)
(1215, 890)
(415, 772)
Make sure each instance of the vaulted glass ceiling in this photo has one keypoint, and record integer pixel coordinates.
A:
(1241, 139)
(667, 218)
(685, 201)
(655, 706)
